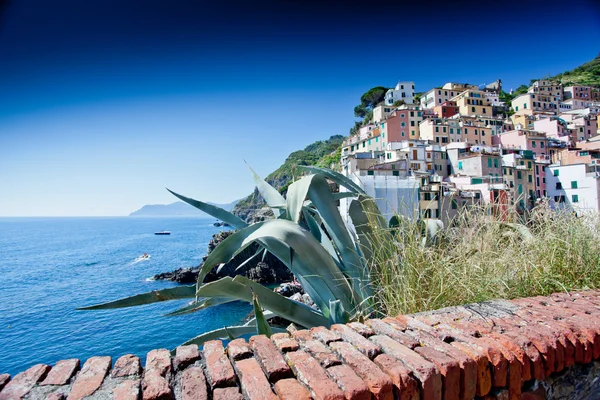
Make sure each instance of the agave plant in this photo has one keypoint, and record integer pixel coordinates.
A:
(329, 258)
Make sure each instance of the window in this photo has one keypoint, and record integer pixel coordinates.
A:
(520, 188)
(575, 198)
(460, 165)
(529, 164)
(370, 173)
(396, 173)
(530, 178)
(364, 144)
(495, 162)
(454, 204)
(518, 174)
(426, 196)
(555, 172)
(533, 143)
(489, 163)
(559, 186)
(472, 109)
(573, 184)
(389, 156)
(542, 145)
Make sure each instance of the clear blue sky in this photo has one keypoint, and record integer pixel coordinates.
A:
(104, 103)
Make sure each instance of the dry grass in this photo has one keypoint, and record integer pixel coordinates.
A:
(481, 258)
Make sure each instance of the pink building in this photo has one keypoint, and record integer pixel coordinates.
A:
(553, 128)
(523, 139)
(578, 92)
(402, 124)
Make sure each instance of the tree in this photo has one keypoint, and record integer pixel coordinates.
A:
(373, 96)
(360, 111)
(399, 103)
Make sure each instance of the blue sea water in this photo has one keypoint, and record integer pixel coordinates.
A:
(51, 266)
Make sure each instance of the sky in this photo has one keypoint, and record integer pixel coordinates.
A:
(103, 104)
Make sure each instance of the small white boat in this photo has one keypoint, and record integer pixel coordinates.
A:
(162, 233)
(143, 257)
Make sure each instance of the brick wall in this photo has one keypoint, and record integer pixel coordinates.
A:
(533, 348)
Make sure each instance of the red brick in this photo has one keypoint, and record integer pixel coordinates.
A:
(405, 386)
(302, 335)
(484, 372)
(321, 352)
(350, 383)
(90, 378)
(218, 368)
(185, 356)
(398, 323)
(127, 365)
(284, 342)
(468, 366)
(155, 386)
(193, 384)
(23, 382)
(592, 330)
(365, 346)
(362, 329)
(313, 376)
(238, 349)
(230, 393)
(324, 335)
(515, 369)
(379, 383)
(4, 379)
(127, 390)
(449, 369)
(269, 358)
(290, 389)
(382, 328)
(253, 382)
(526, 353)
(493, 353)
(159, 361)
(538, 334)
(62, 372)
(425, 371)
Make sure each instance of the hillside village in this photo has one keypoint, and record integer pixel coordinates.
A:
(458, 145)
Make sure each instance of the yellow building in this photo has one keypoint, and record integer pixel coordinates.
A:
(472, 102)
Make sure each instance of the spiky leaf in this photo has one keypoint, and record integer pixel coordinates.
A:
(155, 296)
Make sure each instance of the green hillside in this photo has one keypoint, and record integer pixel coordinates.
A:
(321, 153)
(587, 74)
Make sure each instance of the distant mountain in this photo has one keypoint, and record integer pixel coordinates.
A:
(177, 209)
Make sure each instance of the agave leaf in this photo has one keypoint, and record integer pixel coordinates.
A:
(336, 197)
(262, 325)
(214, 211)
(200, 305)
(314, 263)
(431, 227)
(272, 197)
(338, 314)
(321, 236)
(227, 249)
(266, 313)
(226, 334)
(296, 195)
(352, 264)
(519, 228)
(334, 176)
(178, 292)
(365, 216)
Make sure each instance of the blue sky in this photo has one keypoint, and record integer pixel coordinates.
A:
(104, 103)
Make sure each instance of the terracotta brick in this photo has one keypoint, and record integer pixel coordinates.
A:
(365, 346)
(218, 368)
(324, 335)
(398, 323)
(498, 395)
(284, 342)
(321, 352)
(526, 353)
(382, 328)
(379, 383)
(362, 329)
(193, 384)
(484, 371)
(269, 358)
(538, 333)
(494, 354)
(405, 386)
(230, 393)
(90, 377)
(62, 372)
(185, 356)
(55, 396)
(515, 370)
(468, 365)
(160, 361)
(449, 369)
(302, 335)
(155, 386)
(290, 389)
(127, 390)
(238, 349)
(592, 330)
(425, 371)
(4, 379)
(353, 387)
(127, 365)
(405, 322)
(313, 376)
(253, 382)
(23, 382)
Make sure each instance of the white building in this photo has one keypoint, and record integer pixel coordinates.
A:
(574, 187)
(404, 91)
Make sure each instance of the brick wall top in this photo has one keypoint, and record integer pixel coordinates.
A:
(491, 350)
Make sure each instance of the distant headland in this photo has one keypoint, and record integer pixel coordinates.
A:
(177, 209)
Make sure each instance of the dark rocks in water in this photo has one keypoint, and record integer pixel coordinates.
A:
(218, 223)
(266, 271)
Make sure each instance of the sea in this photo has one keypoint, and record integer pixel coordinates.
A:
(51, 266)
